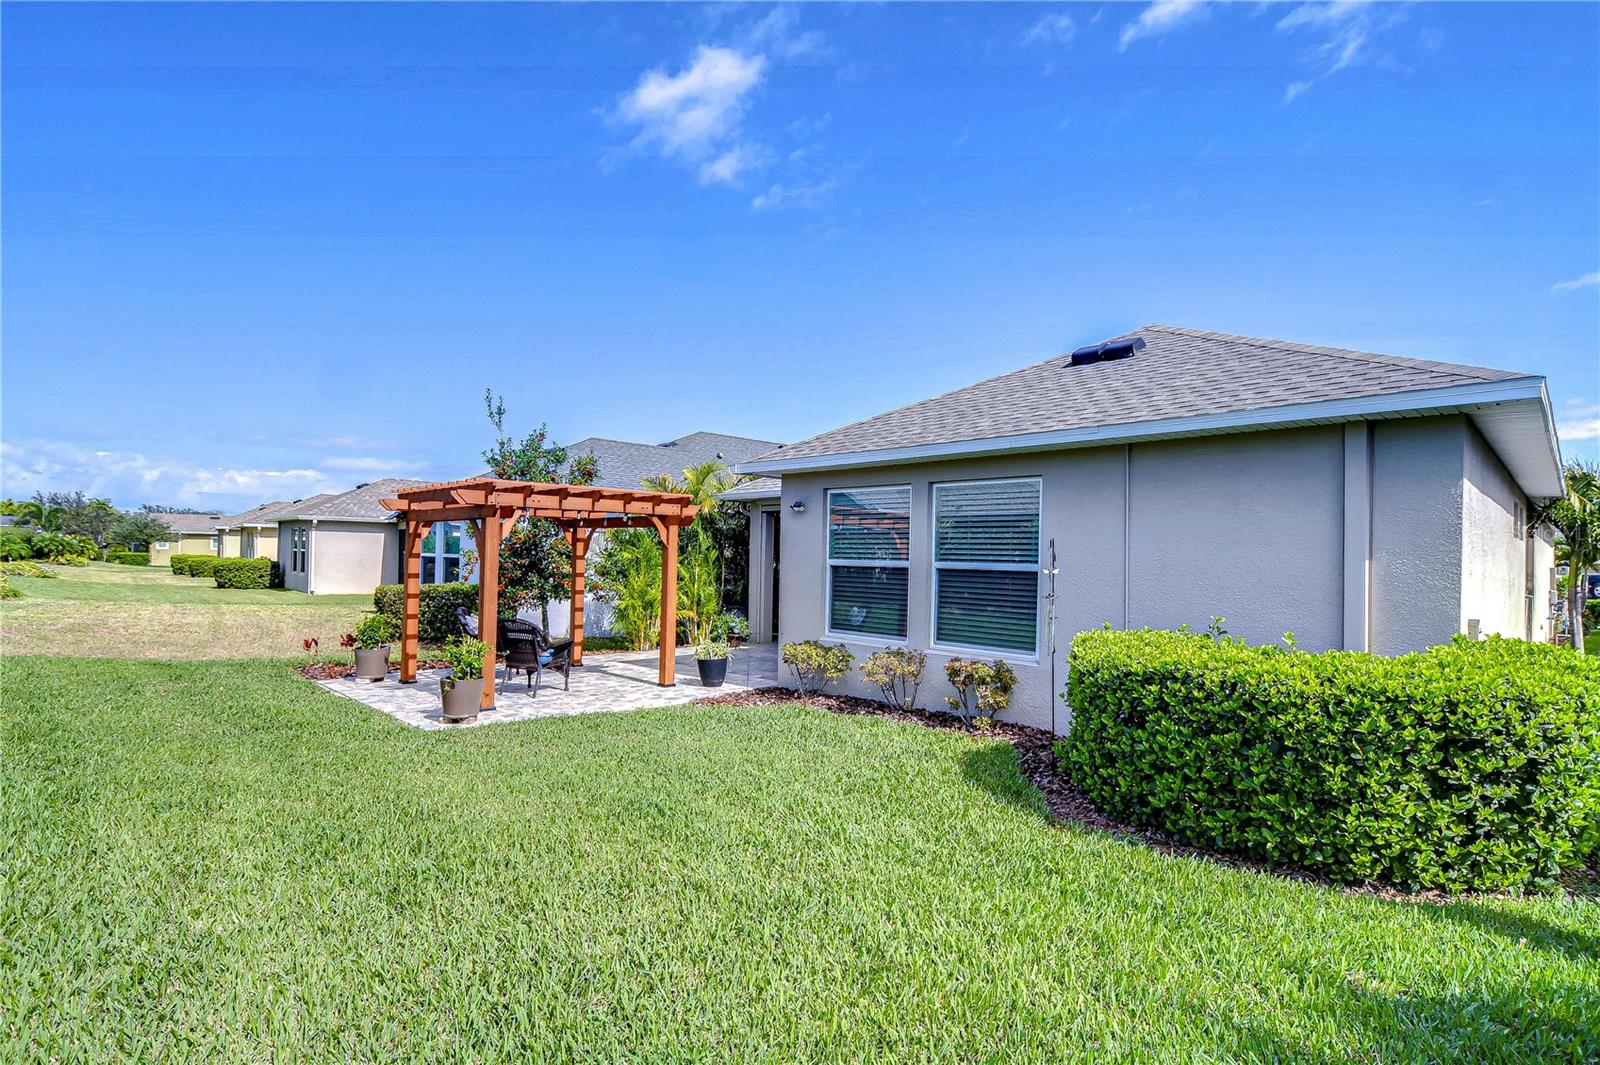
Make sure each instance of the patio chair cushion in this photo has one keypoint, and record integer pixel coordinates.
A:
(545, 657)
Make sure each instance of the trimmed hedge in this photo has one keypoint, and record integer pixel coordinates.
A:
(246, 573)
(1474, 765)
(129, 558)
(193, 565)
(436, 608)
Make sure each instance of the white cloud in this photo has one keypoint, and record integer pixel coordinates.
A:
(1163, 16)
(130, 478)
(694, 116)
(1589, 280)
(1294, 89)
(799, 194)
(1347, 28)
(778, 33)
(1051, 29)
(1579, 421)
(368, 464)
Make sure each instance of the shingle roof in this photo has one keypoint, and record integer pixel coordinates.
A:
(194, 524)
(1180, 372)
(265, 514)
(359, 504)
(623, 463)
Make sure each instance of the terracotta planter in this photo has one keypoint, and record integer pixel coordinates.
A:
(372, 663)
(460, 699)
(713, 671)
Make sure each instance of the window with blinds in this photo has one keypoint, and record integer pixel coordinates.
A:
(869, 533)
(986, 565)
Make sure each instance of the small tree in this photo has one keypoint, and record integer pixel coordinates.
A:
(535, 561)
(1576, 520)
(139, 528)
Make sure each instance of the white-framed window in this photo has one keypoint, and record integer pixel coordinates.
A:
(247, 543)
(441, 553)
(986, 565)
(869, 560)
(299, 544)
(215, 543)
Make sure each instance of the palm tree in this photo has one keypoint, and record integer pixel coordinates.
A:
(704, 482)
(1576, 520)
(703, 555)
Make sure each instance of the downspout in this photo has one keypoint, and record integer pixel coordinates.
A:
(1127, 529)
(311, 569)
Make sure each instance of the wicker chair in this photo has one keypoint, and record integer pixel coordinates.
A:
(529, 650)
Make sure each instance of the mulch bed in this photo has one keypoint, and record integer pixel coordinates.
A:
(340, 670)
(1036, 758)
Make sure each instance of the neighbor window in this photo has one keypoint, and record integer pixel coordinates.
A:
(869, 530)
(441, 553)
(298, 540)
(986, 565)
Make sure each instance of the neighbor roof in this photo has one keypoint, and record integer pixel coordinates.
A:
(624, 464)
(361, 503)
(265, 514)
(1188, 382)
(193, 524)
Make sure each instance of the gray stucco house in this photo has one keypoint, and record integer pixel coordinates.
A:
(1361, 501)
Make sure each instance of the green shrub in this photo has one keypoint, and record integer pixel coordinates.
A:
(465, 658)
(24, 568)
(436, 607)
(7, 589)
(897, 672)
(816, 664)
(245, 572)
(15, 543)
(1475, 765)
(375, 630)
(64, 550)
(183, 565)
(983, 689)
(129, 558)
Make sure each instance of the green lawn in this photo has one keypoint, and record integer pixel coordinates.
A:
(135, 612)
(211, 861)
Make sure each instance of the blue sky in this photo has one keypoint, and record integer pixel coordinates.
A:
(256, 251)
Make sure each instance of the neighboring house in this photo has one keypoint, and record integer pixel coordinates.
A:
(192, 534)
(626, 464)
(1360, 501)
(346, 543)
(252, 533)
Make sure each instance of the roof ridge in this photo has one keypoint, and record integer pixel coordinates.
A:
(1352, 354)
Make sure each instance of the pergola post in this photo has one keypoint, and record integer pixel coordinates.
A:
(667, 671)
(488, 532)
(411, 611)
(580, 549)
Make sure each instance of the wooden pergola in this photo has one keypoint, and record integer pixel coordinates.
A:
(492, 506)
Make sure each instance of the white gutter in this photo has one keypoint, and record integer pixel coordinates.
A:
(1437, 400)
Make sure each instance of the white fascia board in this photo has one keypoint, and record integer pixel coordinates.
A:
(1421, 401)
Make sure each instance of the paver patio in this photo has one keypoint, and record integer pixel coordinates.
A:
(606, 682)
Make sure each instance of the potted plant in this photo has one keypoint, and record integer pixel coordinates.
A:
(733, 627)
(461, 698)
(711, 658)
(372, 646)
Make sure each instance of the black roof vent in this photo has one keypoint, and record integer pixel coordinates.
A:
(1111, 349)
